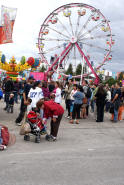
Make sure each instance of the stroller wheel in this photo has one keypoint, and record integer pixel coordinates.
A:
(26, 137)
(37, 139)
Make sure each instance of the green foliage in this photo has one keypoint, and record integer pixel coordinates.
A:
(42, 69)
(69, 70)
(101, 77)
(78, 69)
(121, 76)
(111, 81)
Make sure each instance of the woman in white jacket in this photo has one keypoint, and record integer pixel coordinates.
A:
(57, 91)
(108, 99)
(35, 94)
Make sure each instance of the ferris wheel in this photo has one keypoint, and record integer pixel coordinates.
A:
(75, 33)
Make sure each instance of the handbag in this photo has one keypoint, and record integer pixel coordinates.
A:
(111, 110)
(25, 127)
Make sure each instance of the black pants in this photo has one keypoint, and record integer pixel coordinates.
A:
(6, 99)
(68, 104)
(55, 126)
(23, 108)
(10, 108)
(100, 112)
(76, 111)
(87, 110)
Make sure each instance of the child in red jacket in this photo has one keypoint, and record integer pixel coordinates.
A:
(55, 112)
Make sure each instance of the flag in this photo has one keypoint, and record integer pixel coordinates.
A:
(8, 16)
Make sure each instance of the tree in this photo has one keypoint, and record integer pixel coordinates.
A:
(101, 77)
(42, 69)
(121, 76)
(69, 70)
(111, 81)
(78, 69)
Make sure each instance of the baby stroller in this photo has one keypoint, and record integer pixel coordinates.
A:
(36, 126)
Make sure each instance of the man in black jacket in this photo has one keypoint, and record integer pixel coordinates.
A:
(8, 90)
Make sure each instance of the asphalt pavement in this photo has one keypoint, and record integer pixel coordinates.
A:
(86, 154)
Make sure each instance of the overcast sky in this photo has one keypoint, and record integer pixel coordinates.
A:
(32, 13)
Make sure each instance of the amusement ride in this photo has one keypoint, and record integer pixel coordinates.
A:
(75, 33)
(72, 34)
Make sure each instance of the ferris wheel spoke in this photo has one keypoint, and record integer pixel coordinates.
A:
(53, 39)
(77, 25)
(53, 48)
(59, 32)
(67, 58)
(94, 46)
(84, 26)
(63, 54)
(95, 37)
(64, 27)
(71, 25)
(75, 54)
(66, 55)
(89, 31)
(87, 61)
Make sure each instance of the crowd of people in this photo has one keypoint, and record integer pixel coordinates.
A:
(46, 99)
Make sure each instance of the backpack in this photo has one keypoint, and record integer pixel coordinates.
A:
(4, 135)
(89, 93)
(1, 93)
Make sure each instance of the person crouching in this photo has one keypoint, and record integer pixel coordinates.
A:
(55, 112)
(11, 103)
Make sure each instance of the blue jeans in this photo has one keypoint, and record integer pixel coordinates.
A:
(107, 106)
(15, 96)
(115, 115)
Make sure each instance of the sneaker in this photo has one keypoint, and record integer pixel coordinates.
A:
(68, 117)
(114, 121)
(71, 121)
(2, 147)
(18, 124)
(77, 122)
(47, 137)
(50, 138)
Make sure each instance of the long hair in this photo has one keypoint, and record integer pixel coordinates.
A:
(101, 90)
(58, 84)
(39, 104)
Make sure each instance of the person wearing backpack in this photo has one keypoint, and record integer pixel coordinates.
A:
(78, 98)
(1, 93)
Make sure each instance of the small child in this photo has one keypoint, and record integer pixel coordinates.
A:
(11, 103)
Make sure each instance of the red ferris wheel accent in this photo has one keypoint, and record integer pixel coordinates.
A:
(76, 33)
